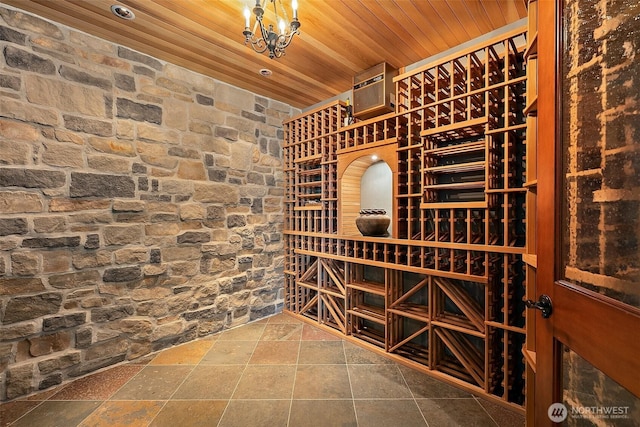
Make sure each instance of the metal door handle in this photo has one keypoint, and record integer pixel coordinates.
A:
(543, 304)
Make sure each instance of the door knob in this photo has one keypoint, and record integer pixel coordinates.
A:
(543, 304)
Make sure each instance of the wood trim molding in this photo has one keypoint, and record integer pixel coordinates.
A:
(547, 382)
(604, 344)
(351, 167)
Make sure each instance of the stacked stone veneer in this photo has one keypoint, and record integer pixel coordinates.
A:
(140, 204)
(602, 145)
(602, 149)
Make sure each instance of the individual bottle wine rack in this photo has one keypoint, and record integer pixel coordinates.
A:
(444, 292)
(310, 170)
(409, 182)
(381, 130)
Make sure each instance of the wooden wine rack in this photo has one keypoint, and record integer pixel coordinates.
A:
(531, 184)
(444, 292)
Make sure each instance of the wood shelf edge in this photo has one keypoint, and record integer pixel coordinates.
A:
(530, 358)
(458, 125)
(532, 48)
(330, 104)
(530, 259)
(314, 158)
(454, 205)
(532, 107)
(367, 145)
(309, 208)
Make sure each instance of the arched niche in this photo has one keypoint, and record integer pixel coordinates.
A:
(352, 167)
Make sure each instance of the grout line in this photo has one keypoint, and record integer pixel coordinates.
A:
(93, 412)
(174, 391)
(485, 410)
(295, 376)
(105, 400)
(125, 383)
(26, 413)
(241, 375)
(413, 396)
(353, 399)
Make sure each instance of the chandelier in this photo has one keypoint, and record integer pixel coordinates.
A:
(268, 38)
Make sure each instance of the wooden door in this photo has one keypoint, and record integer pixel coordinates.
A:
(587, 352)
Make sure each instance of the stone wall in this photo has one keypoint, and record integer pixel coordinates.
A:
(602, 146)
(602, 164)
(140, 204)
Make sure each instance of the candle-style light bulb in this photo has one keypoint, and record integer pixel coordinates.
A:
(294, 6)
(281, 26)
(247, 15)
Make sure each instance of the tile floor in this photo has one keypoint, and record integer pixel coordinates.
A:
(274, 372)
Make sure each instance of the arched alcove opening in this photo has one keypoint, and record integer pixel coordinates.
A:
(376, 191)
(366, 181)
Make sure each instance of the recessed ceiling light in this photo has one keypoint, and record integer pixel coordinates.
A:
(374, 157)
(122, 12)
(265, 72)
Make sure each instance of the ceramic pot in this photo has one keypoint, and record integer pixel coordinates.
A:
(373, 222)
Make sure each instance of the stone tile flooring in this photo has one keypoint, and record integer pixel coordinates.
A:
(273, 372)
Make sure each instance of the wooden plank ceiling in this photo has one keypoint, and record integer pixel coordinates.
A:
(338, 39)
